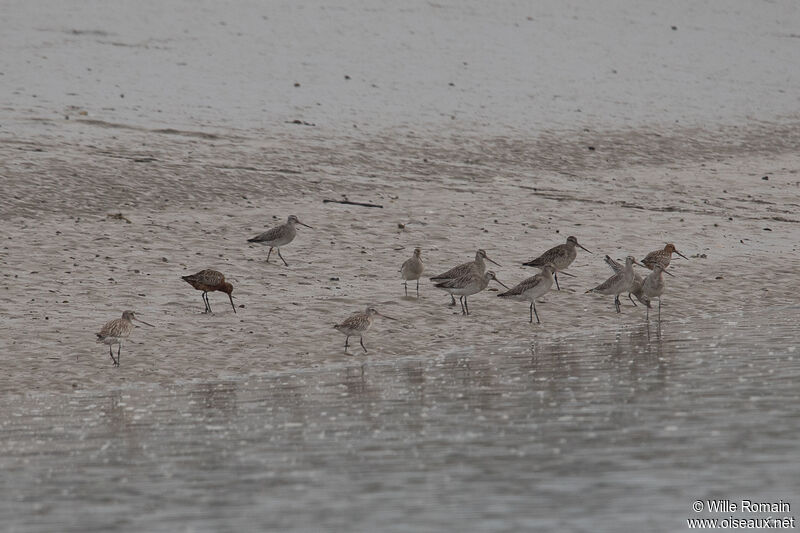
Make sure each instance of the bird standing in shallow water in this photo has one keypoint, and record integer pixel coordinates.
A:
(209, 281)
(277, 237)
(636, 286)
(653, 287)
(661, 257)
(412, 269)
(467, 286)
(115, 331)
(619, 282)
(532, 288)
(560, 256)
(358, 324)
(478, 266)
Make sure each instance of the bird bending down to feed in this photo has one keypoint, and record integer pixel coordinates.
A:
(561, 257)
(358, 324)
(412, 269)
(653, 287)
(279, 236)
(661, 257)
(115, 331)
(619, 282)
(467, 286)
(478, 266)
(532, 288)
(636, 286)
(210, 281)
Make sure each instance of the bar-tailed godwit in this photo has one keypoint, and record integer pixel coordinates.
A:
(653, 287)
(358, 324)
(533, 287)
(661, 257)
(209, 281)
(468, 285)
(560, 256)
(412, 269)
(115, 331)
(279, 236)
(477, 266)
(619, 282)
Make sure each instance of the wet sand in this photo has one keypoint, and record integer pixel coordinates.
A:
(259, 420)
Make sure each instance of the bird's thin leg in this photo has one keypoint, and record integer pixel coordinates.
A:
(282, 259)
(208, 303)
(631, 299)
(362, 344)
(556, 278)
(531, 312)
(466, 305)
(648, 315)
(659, 310)
(111, 353)
(346, 341)
(405, 286)
(616, 302)
(119, 353)
(537, 314)
(269, 253)
(203, 296)
(461, 301)
(417, 287)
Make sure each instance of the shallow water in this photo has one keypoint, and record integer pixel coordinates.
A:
(620, 431)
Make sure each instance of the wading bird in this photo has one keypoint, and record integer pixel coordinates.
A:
(467, 286)
(210, 281)
(279, 236)
(115, 331)
(412, 269)
(358, 324)
(477, 266)
(661, 257)
(532, 288)
(618, 283)
(560, 256)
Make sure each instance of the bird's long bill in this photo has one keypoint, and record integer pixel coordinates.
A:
(384, 316)
(503, 284)
(234, 307)
(582, 247)
(306, 225)
(495, 262)
(567, 274)
(638, 263)
(680, 254)
(667, 273)
(143, 322)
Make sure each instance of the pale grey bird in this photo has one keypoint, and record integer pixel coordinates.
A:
(412, 269)
(358, 324)
(532, 288)
(636, 286)
(468, 285)
(653, 287)
(618, 283)
(115, 331)
(279, 236)
(560, 256)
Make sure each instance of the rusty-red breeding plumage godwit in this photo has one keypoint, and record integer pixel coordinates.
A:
(115, 331)
(209, 281)
(661, 257)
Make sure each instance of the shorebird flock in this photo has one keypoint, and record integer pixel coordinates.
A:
(464, 280)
